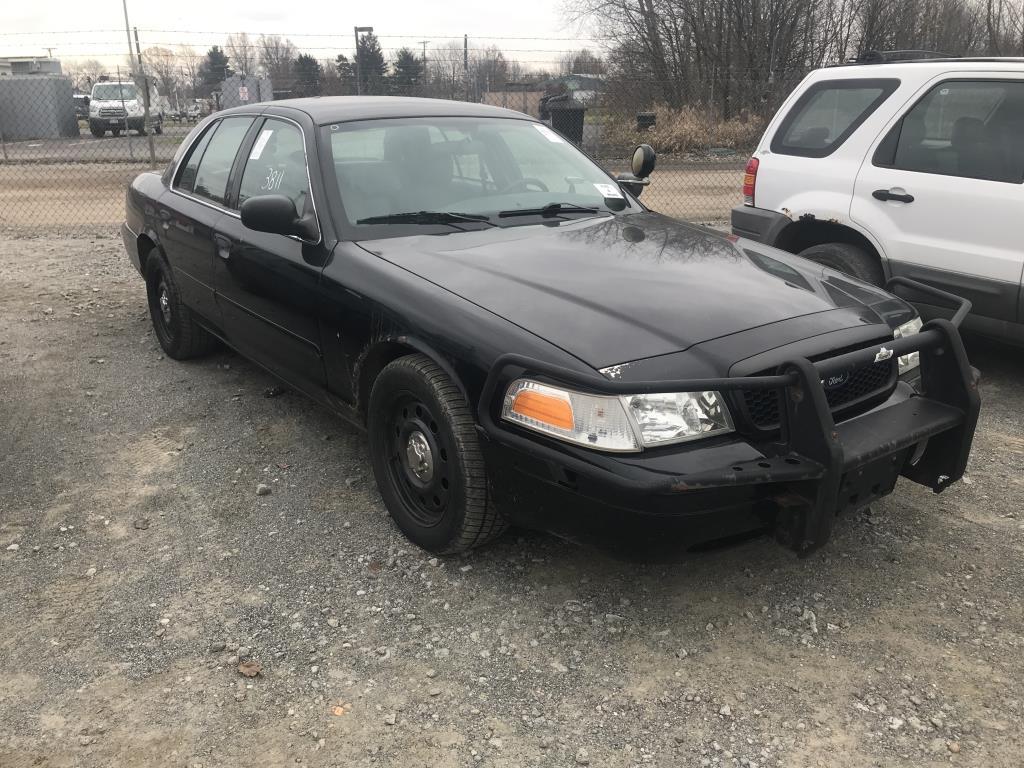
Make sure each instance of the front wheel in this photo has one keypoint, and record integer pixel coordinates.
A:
(426, 458)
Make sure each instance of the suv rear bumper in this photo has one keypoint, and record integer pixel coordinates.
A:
(758, 224)
(722, 487)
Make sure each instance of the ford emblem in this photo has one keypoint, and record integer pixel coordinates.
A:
(835, 381)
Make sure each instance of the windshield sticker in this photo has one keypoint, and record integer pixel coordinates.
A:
(608, 190)
(548, 134)
(261, 143)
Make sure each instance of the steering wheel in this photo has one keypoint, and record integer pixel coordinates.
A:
(523, 184)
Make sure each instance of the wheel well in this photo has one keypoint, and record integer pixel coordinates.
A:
(145, 247)
(372, 362)
(803, 234)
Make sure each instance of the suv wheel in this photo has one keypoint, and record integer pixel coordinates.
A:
(426, 458)
(98, 133)
(847, 258)
(180, 336)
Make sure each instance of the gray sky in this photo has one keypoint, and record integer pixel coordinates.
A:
(96, 29)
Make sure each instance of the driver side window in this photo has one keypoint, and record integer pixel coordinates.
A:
(277, 165)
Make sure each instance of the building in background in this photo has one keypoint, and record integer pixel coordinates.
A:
(239, 90)
(11, 66)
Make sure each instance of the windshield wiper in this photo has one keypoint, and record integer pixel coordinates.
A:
(551, 209)
(427, 217)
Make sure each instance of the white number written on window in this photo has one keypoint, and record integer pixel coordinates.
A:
(273, 181)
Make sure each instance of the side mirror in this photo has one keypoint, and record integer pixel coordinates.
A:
(276, 214)
(643, 161)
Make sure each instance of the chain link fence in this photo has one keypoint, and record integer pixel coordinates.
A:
(66, 160)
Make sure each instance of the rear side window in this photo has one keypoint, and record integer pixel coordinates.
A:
(968, 128)
(215, 164)
(187, 177)
(827, 114)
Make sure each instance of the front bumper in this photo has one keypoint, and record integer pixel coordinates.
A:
(725, 486)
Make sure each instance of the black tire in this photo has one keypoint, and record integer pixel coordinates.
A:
(158, 128)
(115, 132)
(97, 133)
(180, 336)
(851, 259)
(448, 509)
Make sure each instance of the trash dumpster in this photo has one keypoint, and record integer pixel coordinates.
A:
(567, 119)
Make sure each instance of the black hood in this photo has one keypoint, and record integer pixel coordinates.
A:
(615, 289)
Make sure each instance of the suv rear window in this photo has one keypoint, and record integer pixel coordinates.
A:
(827, 113)
(968, 128)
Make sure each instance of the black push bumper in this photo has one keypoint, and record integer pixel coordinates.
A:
(799, 481)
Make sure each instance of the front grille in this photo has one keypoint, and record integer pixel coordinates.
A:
(112, 112)
(866, 385)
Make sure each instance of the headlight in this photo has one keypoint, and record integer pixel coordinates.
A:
(615, 423)
(94, 109)
(134, 108)
(911, 361)
(673, 417)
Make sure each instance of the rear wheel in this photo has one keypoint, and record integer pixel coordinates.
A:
(851, 259)
(180, 336)
(427, 460)
(97, 133)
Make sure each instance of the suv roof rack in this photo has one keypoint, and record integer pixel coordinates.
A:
(883, 57)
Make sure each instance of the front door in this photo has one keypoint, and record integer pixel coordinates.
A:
(942, 188)
(267, 284)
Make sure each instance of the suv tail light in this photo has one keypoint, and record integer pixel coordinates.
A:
(750, 180)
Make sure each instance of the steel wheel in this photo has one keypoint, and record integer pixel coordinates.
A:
(426, 458)
(418, 463)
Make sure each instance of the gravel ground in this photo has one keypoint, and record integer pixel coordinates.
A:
(140, 571)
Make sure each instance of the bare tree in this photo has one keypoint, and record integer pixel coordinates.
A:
(277, 55)
(84, 73)
(242, 53)
(191, 69)
(163, 67)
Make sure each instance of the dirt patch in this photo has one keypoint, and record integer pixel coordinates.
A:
(146, 566)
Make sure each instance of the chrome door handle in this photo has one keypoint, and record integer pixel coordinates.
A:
(223, 246)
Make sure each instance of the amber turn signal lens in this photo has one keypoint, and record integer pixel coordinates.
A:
(545, 408)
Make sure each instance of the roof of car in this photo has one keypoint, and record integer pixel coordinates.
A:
(325, 110)
(990, 64)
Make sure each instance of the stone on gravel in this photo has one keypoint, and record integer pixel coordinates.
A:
(263, 489)
(13, 547)
(582, 756)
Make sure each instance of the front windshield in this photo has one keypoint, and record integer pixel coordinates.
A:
(493, 167)
(113, 92)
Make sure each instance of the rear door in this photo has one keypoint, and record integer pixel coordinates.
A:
(942, 187)
(189, 216)
(267, 284)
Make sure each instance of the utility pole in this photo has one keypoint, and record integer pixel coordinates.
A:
(145, 104)
(359, 79)
(127, 29)
(465, 63)
(424, 44)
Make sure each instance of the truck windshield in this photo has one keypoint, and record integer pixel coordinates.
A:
(114, 91)
(387, 170)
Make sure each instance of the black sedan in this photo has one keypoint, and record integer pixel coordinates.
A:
(526, 343)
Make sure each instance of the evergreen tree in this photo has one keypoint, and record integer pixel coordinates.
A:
(346, 74)
(215, 69)
(308, 76)
(407, 75)
(371, 65)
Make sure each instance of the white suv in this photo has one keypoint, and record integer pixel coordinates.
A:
(910, 168)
